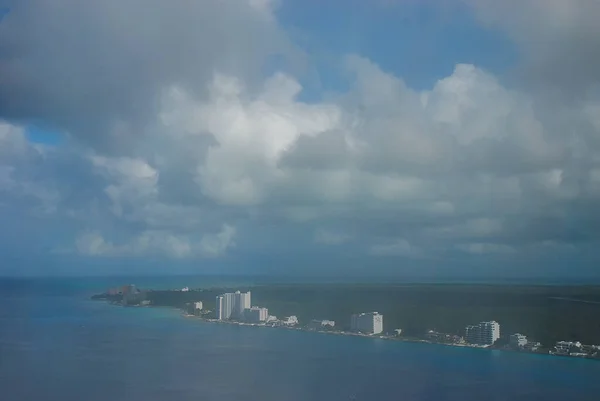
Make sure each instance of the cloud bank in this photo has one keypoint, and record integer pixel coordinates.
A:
(175, 143)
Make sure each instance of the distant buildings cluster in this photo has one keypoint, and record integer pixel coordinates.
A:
(317, 324)
(237, 306)
(575, 348)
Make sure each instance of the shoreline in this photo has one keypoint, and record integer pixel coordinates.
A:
(345, 333)
(180, 301)
(187, 315)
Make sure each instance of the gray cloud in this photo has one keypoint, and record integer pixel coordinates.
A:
(177, 146)
(97, 70)
(559, 40)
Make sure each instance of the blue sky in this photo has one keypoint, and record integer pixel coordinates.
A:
(453, 138)
(420, 42)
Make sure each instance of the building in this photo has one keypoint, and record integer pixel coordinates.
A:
(371, 323)
(224, 306)
(472, 334)
(241, 302)
(256, 314)
(518, 340)
(290, 321)
(484, 333)
(321, 324)
(232, 305)
(567, 347)
(219, 306)
(532, 345)
(490, 332)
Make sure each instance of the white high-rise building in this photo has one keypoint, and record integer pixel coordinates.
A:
(256, 314)
(231, 305)
(490, 332)
(219, 304)
(485, 333)
(371, 322)
(241, 303)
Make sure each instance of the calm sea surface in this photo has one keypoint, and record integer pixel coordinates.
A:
(55, 344)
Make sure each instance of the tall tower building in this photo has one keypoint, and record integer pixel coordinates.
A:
(219, 304)
(242, 301)
(232, 305)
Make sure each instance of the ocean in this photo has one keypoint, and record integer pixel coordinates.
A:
(56, 344)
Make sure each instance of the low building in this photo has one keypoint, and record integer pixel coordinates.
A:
(532, 346)
(567, 347)
(443, 338)
(518, 340)
(290, 321)
(256, 314)
(316, 324)
(370, 323)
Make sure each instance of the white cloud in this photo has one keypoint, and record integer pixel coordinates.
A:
(397, 247)
(213, 245)
(479, 248)
(158, 243)
(93, 244)
(198, 138)
(331, 237)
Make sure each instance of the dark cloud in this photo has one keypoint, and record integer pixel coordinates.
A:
(99, 69)
(559, 41)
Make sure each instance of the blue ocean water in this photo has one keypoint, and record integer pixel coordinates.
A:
(56, 344)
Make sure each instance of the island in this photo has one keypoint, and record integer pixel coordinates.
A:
(553, 319)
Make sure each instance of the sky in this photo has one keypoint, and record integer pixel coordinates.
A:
(404, 138)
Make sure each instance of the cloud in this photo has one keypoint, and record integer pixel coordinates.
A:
(331, 237)
(157, 243)
(485, 248)
(465, 165)
(398, 247)
(559, 40)
(178, 144)
(106, 64)
(216, 244)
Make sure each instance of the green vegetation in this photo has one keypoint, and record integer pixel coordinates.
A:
(544, 313)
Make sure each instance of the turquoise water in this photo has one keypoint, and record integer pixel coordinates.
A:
(55, 344)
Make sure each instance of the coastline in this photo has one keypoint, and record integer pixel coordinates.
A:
(183, 300)
(341, 333)
(413, 340)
